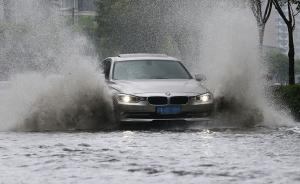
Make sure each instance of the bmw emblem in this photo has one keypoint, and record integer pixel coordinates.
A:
(168, 93)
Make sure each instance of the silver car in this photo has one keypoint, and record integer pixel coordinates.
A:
(155, 87)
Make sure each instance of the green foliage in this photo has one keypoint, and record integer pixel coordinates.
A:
(290, 96)
(128, 26)
(88, 25)
(278, 64)
(112, 15)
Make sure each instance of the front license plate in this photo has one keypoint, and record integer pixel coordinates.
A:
(166, 110)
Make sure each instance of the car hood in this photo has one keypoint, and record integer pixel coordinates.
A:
(157, 86)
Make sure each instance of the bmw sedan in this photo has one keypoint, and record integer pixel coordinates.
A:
(155, 87)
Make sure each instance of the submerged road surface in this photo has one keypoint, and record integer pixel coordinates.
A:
(258, 155)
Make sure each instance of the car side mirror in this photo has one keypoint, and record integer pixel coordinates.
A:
(200, 77)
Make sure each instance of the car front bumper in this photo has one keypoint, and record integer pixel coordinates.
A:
(147, 113)
(147, 120)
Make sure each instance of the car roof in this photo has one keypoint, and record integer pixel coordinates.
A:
(143, 56)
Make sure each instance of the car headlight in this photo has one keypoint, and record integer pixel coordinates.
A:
(124, 98)
(203, 98)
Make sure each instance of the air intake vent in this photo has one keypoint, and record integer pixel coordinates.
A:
(179, 100)
(157, 100)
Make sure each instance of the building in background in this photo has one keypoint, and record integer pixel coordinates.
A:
(76, 8)
(283, 39)
(276, 34)
(81, 7)
(6, 13)
(73, 8)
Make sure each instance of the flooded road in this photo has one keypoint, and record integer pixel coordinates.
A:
(53, 81)
(260, 155)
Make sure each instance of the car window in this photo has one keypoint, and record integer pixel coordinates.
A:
(149, 69)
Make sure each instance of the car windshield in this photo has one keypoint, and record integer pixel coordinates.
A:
(149, 69)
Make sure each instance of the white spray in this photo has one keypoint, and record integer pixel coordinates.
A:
(226, 51)
(53, 84)
(230, 59)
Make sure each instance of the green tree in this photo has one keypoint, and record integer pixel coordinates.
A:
(127, 26)
(130, 25)
(109, 15)
(157, 26)
(293, 8)
(278, 66)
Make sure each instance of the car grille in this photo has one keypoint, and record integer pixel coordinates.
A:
(179, 100)
(157, 100)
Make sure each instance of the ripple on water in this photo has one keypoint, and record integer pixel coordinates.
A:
(59, 145)
(147, 170)
(184, 173)
(43, 146)
(30, 154)
(294, 130)
(58, 155)
(106, 149)
(206, 165)
(71, 150)
(84, 145)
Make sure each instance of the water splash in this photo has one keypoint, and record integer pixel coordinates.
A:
(221, 41)
(55, 86)
(53, 83)
(236, 73)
